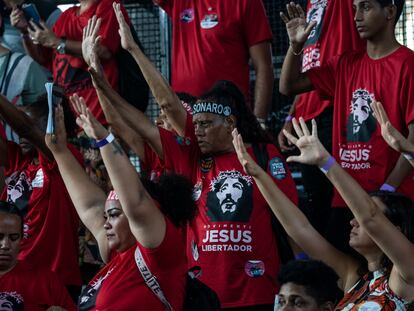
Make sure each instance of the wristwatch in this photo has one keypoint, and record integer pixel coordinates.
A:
(61, 48)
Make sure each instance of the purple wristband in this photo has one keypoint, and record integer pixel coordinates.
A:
(328, 164)
(387, 187)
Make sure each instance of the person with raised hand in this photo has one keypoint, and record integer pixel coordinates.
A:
(382, 230)
(166, 98)
(34, 185)
(122, 123)
(131, 125)
(206, 156)
(143, 220)
(391, 135)
(351, 80)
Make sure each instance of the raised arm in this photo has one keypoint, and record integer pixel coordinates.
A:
(388, 237)
(134, 118)
(292, 80)
(160, 88)
(24, 125)
(294, 221)
(129, 123)
(145, 219)
(88, 198)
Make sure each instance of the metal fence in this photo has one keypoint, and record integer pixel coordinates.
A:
(153, 28)
(405, 26)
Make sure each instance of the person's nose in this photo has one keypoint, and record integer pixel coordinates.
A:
(198, 130)
(5, 243)
(107, 225)
(358, 16)
(354, 223)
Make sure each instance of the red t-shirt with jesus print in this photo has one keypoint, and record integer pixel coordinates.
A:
(353, 80)
(334, 33)
(120, 286)
(51, 223)
(69, 71)
(30, 288)
(231, 238)
(211, 41)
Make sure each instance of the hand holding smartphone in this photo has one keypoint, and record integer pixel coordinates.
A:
(31, 13)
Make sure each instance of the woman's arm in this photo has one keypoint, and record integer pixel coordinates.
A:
(146, 221)
(130, 123)
(294, 221)
(88, 198)
(160, 88)
(368, 214)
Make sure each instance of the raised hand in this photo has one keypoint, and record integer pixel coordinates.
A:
(127, 41)
(41, 34)
(18, 20)
(86, 120)
(312, 152)
(390, 134)
(297, 28)
(91, 40)
(57, 142)
(249, 165)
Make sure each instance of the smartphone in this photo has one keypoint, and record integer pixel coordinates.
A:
(31, 13)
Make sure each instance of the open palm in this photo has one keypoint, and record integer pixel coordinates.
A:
(390, 134)
(90, 39)
(127, 41)
(312, 152)
(86, 120)
(297, 28)
(249, 165)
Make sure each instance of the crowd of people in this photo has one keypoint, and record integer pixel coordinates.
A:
(213, 192)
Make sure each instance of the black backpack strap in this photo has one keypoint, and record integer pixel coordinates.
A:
(284, 248)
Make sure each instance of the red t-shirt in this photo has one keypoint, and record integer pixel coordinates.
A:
(27, 287)
(70, 71)
(231, 238)
(211, 41)
(2, 133)
(152, 165)
(51, 223)
(334, 34)
(120, 286)
(354, 80)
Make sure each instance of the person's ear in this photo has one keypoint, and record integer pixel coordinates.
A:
(327, 306)
(390, 12)
(230, 123)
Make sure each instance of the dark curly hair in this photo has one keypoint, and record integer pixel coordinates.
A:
(174, 193)
(400, 212)
(187, 98)
(227, 93)
(319, 280)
